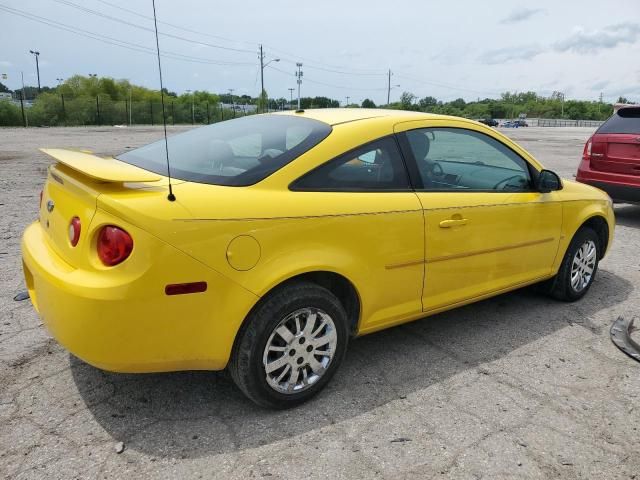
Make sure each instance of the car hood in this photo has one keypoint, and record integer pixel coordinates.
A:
(572, 190)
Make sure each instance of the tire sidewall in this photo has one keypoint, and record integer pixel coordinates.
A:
(267, 318)
(578, 240)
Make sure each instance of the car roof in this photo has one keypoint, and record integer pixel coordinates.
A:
(335, 116)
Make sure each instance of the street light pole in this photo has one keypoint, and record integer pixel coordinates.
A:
(347, 104)
(37, 54)
(299, 80)
(233, 103)
(193, 114)
(261, 56)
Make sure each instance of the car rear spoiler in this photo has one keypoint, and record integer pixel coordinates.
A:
(99, 168)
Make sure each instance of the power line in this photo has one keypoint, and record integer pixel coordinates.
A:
(118, 42)
(443, 85)
(140, 27)
(327, 84)
(309, 62)
(202, 60)
(141, 15)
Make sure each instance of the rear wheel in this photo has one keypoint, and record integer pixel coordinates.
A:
(578, 268)
(290, 346)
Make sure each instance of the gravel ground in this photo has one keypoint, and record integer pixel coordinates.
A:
(518, 386)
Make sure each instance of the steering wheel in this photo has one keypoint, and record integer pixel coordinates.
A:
(505, 181)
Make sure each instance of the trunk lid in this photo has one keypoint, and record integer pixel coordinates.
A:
(616, 153)
(72, 189)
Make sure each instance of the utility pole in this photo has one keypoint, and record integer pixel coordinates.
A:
(600, 102)
(389, 87)
(347, 104)
(261, 78)
(261, 56)
(37, 54)
(59, 80)
(291, 95)
(299, 80)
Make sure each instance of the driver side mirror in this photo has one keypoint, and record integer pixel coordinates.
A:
(549, 181)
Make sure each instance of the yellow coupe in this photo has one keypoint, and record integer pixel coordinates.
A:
(292, 232)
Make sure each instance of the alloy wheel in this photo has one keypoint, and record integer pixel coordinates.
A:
(583, 265)
(299, 350)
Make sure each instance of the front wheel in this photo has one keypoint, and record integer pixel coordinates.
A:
(578, 268)
(290, 346)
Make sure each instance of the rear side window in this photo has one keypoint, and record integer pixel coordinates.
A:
(237, 152)
(375, 166)
(625, 120)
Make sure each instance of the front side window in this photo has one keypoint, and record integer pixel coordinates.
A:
(459, 159)
(375, 166)
(236, 152)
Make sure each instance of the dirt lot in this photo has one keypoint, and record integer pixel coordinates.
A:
(516, 386)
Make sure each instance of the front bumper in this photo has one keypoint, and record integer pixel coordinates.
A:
(124, 322)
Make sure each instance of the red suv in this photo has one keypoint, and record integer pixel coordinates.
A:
(611, 157)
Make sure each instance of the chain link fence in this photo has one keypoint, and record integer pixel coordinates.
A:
(63, 110)
(560, 122)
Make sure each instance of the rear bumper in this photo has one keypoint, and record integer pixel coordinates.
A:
(621, 188)
(126, 323)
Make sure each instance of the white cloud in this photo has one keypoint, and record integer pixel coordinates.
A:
(521, 14)
(511, 54)
(583, 41)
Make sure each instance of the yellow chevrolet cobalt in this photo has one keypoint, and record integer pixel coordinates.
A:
(291, 233)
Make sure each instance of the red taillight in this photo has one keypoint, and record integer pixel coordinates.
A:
(74, 231)
(586, 154)
(114, 245)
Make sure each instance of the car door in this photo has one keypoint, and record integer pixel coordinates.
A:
(384, 239)
(486, 228)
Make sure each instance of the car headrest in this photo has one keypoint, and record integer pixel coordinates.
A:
(420, 144)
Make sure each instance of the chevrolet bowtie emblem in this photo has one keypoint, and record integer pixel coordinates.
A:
(50, 206)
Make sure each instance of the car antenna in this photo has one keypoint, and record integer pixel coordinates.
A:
(171, 197)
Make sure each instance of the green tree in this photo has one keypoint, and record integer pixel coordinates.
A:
(428, 102)
(10, 115)
(406, 100)
(367, 103)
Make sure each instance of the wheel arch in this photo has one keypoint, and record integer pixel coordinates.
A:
(338, 284)
(598, 224)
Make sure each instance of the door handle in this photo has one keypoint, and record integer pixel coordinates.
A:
(458, 222)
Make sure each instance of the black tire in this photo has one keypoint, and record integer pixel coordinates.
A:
(246, 365)
(560, 286)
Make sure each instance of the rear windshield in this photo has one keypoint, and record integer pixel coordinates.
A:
(237, 152)
(625, 120)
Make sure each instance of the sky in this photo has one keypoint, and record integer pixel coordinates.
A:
(468, 49)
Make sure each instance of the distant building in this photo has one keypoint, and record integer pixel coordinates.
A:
(5, 96)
